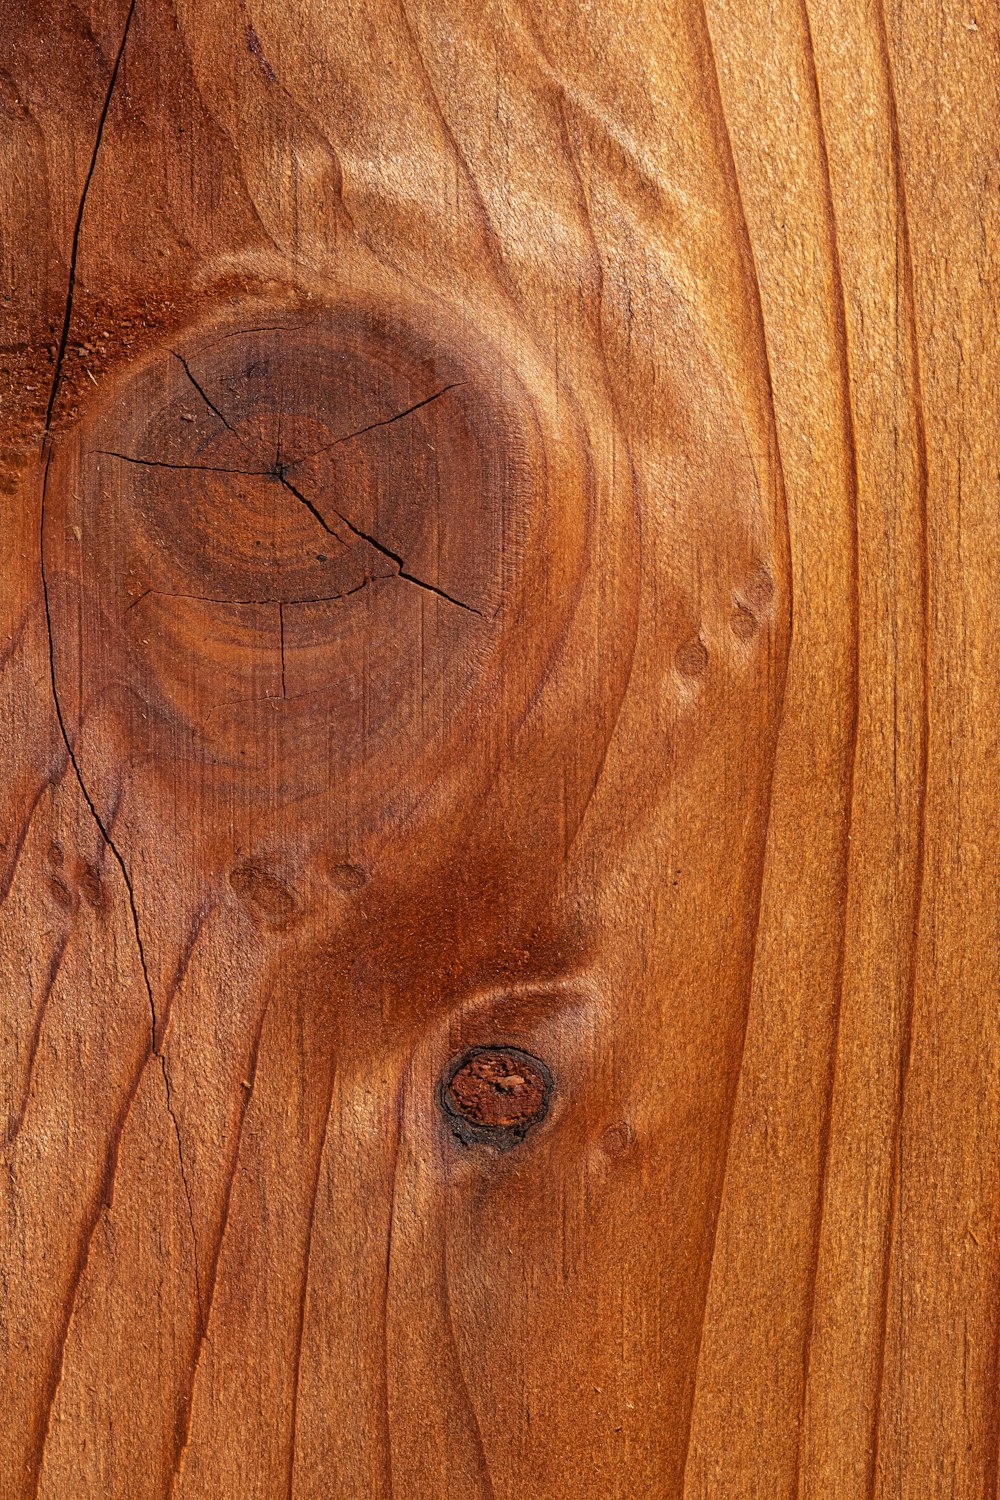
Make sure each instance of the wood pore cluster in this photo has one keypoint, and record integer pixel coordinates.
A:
(499, 534)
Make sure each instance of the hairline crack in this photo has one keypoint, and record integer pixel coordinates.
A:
(382, 422)
(60, 719)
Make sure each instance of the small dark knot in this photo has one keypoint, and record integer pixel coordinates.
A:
(494, 1095)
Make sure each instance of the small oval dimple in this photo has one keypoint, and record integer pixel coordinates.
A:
(347, 877)
(758, 590)
(494, 1095)
(264, 892)
(60, 892)
(89, 881)
(692, 657)
(743, 622)
(617, 1139)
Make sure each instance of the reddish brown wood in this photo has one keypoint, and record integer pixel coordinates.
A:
(500, 539)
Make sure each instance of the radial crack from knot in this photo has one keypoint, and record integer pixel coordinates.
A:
(208, 400)
(382, 422)
(160, 463)
(380, 547)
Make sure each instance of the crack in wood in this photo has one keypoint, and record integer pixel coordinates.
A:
(208, 400)
(382, 422)
(78, 223)
(159, 463)
(364, 536)
(253, 603)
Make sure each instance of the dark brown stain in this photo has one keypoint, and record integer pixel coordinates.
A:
(254, 47)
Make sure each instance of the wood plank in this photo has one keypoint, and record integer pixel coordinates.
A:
(498, 675)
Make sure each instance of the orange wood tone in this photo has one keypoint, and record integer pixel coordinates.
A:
(499, 675)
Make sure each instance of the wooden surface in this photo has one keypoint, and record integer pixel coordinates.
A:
(499, 534)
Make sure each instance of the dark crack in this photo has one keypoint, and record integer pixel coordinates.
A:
(78, 224)
(242, 333)
(103, 827)
(61, 721)
(208, 400)
(159, 463)
(382, 422)
(380, 547)
(280, 471)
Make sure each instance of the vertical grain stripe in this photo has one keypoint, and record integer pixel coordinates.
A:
(304, 1286)
(850, 450)
(22, 833)
(783, 541)
(394, 1160)
(186, 1405)
(491, 240)
(55, 964)
(101, 1201)
(915, 389)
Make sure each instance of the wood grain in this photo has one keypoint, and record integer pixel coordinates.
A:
(499, 678)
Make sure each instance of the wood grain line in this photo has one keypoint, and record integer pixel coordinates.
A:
(839, 310)
(394, 1160)
(619, 433)
(185, 1184)
(102, 825)
(904, 271)
(182, 1436)
(454, 1360)
(102, 1201)
(491, 240)
(741, 226)
(55, 964)
(16, 637)
(15, 859)
(296, 1371)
